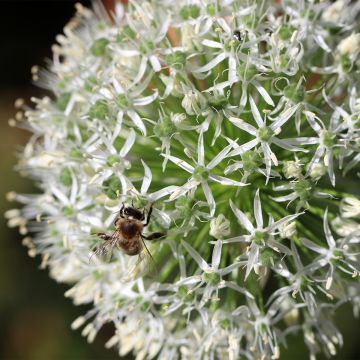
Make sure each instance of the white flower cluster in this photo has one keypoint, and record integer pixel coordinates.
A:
(238, 122)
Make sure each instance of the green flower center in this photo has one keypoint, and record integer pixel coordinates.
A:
(247, 71)
(303, 189)
(328, 138)
(346, 64)
(99, 110)
(76, 153)
(229, 45)
(185, 294)
(294, 94)
(283, 60)
(146, 46)
(218, 102)
(112, 160)
(285, 32)
(183, 205)
(63, 100)
(265, 134)
(211, 278)
(112, 186)
(90, 82)
(211, 9)
(201, 174)
(126, 34)
(67, 211)
(164, 129)
(122, 101)
(251, 161)
(269, 257)
(98, 47)
(225, 324)
(259, 237)
(190, 12)
(65, 177)
(177, 60)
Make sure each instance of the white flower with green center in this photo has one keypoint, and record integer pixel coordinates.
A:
(229, 123)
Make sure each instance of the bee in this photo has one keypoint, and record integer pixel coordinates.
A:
(238, 35)
(128, 235)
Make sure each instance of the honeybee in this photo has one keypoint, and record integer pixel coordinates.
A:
(238, 35)
(128, 235)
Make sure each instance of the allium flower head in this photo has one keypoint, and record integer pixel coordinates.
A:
(237, 125)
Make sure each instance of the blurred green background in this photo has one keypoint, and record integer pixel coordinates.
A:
(35, 317)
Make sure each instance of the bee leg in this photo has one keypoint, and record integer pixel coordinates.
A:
(148, 216)
(143, 216)
(121, 212)
(103, 236)
(154, 236)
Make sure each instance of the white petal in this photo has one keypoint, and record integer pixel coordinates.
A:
(146, 100)
(212, 44)
(302, 141)
(59, 195)
(201, 149)
(252, 259)
(285, 144)
(216, 255)
(222, 22)
(330, 165)
(312, 246)
(283, 117)
(183, 164)
(267, 157)
(74, 188)
(218, 59)
(147, 178)
(119, 117)
(118, 88)
(130, 139)
(219, 157)
(163, 192)
(243, 125)
(255, 112)
(329, 238)
(243, 219)
(258, 210)
(232, 69)
(237, 239)
(195, 255)
(163, 30)
(289, 197)
(209, 197)
(239, 289)
(137, 121)
(278, 223)
(231, 268)
(219, 87)
(243, 148)
(155, 63)
(265, 95)
(127, 53)
(163, 217)
(225, 181)
(311, 119)
(141, 72)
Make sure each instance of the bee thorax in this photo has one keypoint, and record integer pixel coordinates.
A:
(130, 228)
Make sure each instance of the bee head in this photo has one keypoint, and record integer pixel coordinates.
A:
(135, 213)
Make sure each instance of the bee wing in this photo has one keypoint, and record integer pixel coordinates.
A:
(144, 265)
(103, 252)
